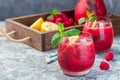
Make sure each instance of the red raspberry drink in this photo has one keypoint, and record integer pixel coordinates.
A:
(76, 54)
(102, 34)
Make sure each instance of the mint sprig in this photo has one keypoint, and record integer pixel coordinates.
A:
(72, 32)
(53, 12)
(90, 16)
(82, 20)
(57, 37)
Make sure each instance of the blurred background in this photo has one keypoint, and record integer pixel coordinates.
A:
(14, 8)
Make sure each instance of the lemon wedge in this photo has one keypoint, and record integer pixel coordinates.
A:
(37, 24)
(48, 26)
(94, 24)
(74, 39)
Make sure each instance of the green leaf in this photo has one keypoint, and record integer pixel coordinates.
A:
(56, 39)
(89, 14)
(54, 11)
(50, 16)
(73, 32)
(82, 20)
(93, 18)
(58, 36)
(60, 28)
(64, 34)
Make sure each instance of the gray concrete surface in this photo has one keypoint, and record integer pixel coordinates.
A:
(21, 62)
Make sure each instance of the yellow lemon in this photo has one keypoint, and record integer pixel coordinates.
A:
(48, 26)
(37, 24)
(73, 39)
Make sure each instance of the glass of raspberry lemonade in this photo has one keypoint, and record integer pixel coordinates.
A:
(102, 33)
(76, 54)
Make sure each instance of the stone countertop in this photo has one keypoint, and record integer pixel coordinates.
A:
(21, 62)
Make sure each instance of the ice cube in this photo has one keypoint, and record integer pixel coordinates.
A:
(101, 31)
(101, 25)
(83, 40)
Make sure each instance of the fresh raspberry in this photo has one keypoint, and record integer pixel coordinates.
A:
(109, 56)
(59, 20)
(71, 21)
(51, 19)
(64, 24)
(57, 16)
(56, 22)
(65, 18)
(67, 23)
(63, 14)
(104, 65)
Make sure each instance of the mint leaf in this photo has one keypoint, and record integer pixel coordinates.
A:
(50, 16)
(90, 17)
(64, 34)
(54, 11)
(93, 18)
(73, 32)
(58, 36)
(89, 14)
(56, 39)
(82, 20)
(61, 28)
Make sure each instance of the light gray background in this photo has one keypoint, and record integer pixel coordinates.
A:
(14, 8)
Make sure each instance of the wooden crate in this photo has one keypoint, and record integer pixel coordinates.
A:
(40, 40)
(116, 24)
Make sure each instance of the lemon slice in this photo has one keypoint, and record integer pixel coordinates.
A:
(37, 24)
(74, 39)
(48, 26)
(94, 24)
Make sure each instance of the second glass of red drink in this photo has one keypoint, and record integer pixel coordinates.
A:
(102, 33)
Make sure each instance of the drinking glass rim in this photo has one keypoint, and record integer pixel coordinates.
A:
(106, 20)
(87, 33)
(82, 32)
(103, 19)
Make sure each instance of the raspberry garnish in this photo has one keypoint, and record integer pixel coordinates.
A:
(104, 65)
(109, 56)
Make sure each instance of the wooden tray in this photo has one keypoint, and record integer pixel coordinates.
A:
(40, 40)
